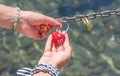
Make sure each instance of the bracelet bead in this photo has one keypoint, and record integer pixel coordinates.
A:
(46, 68)
(16, 18)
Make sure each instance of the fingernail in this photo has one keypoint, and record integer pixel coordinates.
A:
(59, 23)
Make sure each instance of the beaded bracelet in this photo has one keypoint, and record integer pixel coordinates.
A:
(39, 68)
(16, 18)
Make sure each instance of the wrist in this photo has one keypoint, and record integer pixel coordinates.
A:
(38, 70)
(46, 68)
(7, 18)
(53, 63)
(21, 21)
(42, 74)
(16, 19)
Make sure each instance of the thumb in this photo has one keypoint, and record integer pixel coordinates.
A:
(48, 44)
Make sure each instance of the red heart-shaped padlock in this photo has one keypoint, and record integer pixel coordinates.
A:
(58, 38)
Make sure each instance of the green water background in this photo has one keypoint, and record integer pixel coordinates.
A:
(95, 53)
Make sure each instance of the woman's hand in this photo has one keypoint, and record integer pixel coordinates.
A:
(35, 25)
(59, 56)
(31, 24)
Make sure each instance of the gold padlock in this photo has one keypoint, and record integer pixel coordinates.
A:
(87, 24)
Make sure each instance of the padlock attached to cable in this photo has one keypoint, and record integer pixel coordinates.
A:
(58, 37)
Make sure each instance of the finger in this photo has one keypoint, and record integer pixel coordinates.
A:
(66, 43)
(54, 48)
(48, 43)
(67, 46)
(60, 47)
(52, 21)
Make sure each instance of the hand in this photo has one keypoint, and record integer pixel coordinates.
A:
(59, 56)
(30, 24)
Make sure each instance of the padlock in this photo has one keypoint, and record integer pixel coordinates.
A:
(59, 38)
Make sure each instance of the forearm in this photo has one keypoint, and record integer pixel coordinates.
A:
(7, 16)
